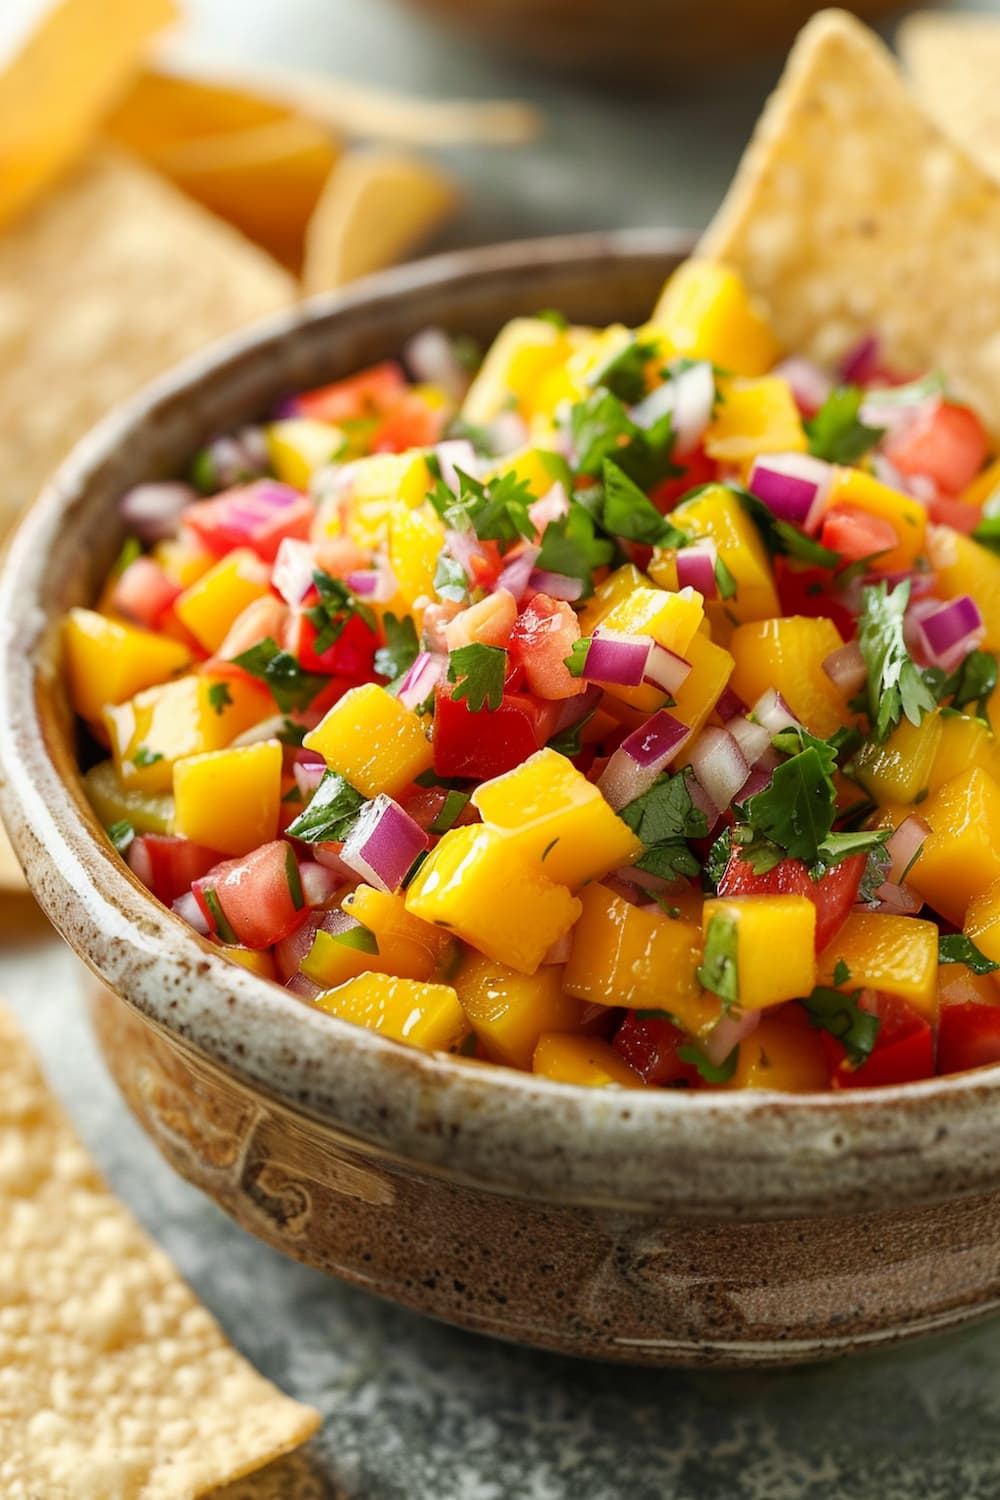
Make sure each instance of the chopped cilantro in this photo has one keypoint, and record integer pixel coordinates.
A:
(569, 742)
(453, 806)
(291, 686)
(875, 873)
(710, 1071)
(778, 536)
(219, 696)
(121, 835)
(956, 948)
(479, 672)
(337, 605)
(837, 432)
(841, 1015)
(576, 661)
(624, 373)
(331, 813)
(987, 533)
(220, 921)
(895, 685)
(718, 858)
(841, 973)
(724, 580)
(570, 547)
(553, 316)
(131, 548)
(719, 969)
(972, 682)
(496, 510)
(450, 581)
(627, 513)
(357, 936)
(664, 818)
(401, 647)
(600, 428)
(145, 757)
(291, 733)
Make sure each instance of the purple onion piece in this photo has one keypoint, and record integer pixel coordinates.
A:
(665, 669)
(810, 384)
(293, 570)
(623, 779)
(953, 624)
(846, 669)
(654, 744)
(773, 712)
(860, 362)
(696, 569)
(616, 658)
(422, 678)
(153, 511)
(556, 585)
(516, 575)
(719, 764)
(793, 486)
(383, 844)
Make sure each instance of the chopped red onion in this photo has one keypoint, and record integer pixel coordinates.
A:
(904, 846)
(556, 585)
(773, 712)
(860, 362)
(703, 802)
(654, 744)
(186, 906)
(463, 546)
(728, 1032)
(383, 844)
(793, 486)
(376, 584)
(455, 454)
(665, 669)
(617, 658)
(561, 949)
(293, 570)
(308, 777)
(572, 710)
(553, 505)
(507, 432)
(690, 395)
(810, 384)
(729, 706)
(152, 511)
(516, 575)
(952, 630)
(719, 764)
(430, 358)
(846, 669)
(758, 781)
(301, 984)
(899, 900)
(623, 780)
(886, 473)
(696, 568)
(422, 678)
(753, 739)
(329, 856)
(319, 883)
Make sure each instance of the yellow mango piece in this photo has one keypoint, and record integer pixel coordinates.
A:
(964, 742)
(753, 417)
(409, 947)
(583, 1060)
(784, 1056)
(769, 940)
(957, 985)
(961, 857)
(860, 491)
(717, 514)
(298, 447)
(209, 607)
(372, 489)
(148, 812)
(559, 819)
(706, 312)
(671, 619)
(524, 352)
(609, 593)
(900, 769)
(189, 716)
(622, 955)
(965, 567)
(183, 558)
(416, 538)
(229, 799)
(983, 487)
(538, 468)
(982, 921)
(788, 654)
(886, 952)
(711, 669)
(107, 661)
(257, 960)
(427, 1016)
(373, 740)
(509, 1011)
(478, 885)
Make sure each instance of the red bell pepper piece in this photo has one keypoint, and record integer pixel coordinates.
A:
(259, 515)
(488, 743)
(833, 894)
(968, 1036)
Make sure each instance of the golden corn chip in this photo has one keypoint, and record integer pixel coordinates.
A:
(115, 1383)
(59, 84)
(954, 63)
(851, 213)
(377, 206)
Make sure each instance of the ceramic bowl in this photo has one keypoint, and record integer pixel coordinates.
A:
(652, 1227)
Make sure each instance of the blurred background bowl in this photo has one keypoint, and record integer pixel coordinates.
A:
(636, 38)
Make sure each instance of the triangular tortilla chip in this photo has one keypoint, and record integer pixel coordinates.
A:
(102, 286)
(851, 213)
(954, 66)
(115, 1383)
(376, 207)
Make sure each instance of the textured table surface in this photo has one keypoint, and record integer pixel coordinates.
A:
(413, 1410)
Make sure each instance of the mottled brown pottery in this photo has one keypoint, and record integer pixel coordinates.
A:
(746, 1229)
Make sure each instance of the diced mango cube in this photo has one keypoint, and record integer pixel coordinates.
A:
(718, 515)
(416, 538)
(523, 353)
(694, 700)
(671, 619)
(112, 801)
(509, 1011)
(478, 885)
(183, 558)
(886, 952)
(107, 661)
(783, 1056)
(982, 921)
(964, 742)
(584, 1060)
(899, 769)
(961, 857)
(558, 818)
(964, 566)
(706, 312)
(229, 799)
(402, 944)
(257, 960)
(855, 490)
(752, 417)
(538, 468)
(298, 446)
(609, 593)
(373, 740)
(765, 944)
(369, 491)
(209, 607)
(983, 487)
(788, 654)
(189, 716)
(427, 1016)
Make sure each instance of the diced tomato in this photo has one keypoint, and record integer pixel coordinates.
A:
(426, 803)
(856, 534)
(259, 515)
(351, 655)
(809, 591)
(542, 638)
(369, 393)
(833, 894)
(958, 514)
(144, 593)
(412, 423)
(968, 1037)
(649, 1045)
(264, 617)
(256, 900)
(488, 743)
(698, 469)
(903, 1051)
(486, 565)
(947, 443)
(168, 866)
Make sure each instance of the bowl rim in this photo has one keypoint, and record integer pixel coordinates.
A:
(704, 1155)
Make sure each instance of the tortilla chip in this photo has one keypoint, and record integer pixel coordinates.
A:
(103, 286)
(115, 1383)
(851, 214)
(60, 83)
(376, 207)
(954, 64)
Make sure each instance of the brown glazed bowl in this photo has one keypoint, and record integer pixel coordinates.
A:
(654, 1227)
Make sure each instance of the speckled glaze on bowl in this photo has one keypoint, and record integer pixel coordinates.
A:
(653, 1227)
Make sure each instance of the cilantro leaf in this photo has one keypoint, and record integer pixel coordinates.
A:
(718, 858)
(337, 605)
(331, 813)
(290, 685)
(450, 580)
(219, 696)
(837, 432)
(121, 835)
(570, 547)
(626, 512)
(987, 533)
(401, 647)
(841, 973)
(600, 428)
(496, 510)
(291, 733)
(144, 757)
(710, 1071)
(453, 806)
(576, 662)
(664, 818)
(624, 373)
(479, 672)
(895, 685)
(357, 935)
(778, 536)
(796, 810)
(956, 948)
(972, 682)
(840, 846)
(841, 1015)
(569, 742)
(719, 969)
(724, 580)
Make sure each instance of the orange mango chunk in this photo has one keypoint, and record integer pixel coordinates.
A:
(764, 943)
(961, 857)
(788, 654)
(210, 605)
(754, 416)
(229, 799)
(373, 740)
(982, 921)
(586, 1060)
(963, 566)
(108, 661)
(509, 1011)
(427, 1016)
(782, 1055)
(189, 716)
(706, 312)
(886, 952)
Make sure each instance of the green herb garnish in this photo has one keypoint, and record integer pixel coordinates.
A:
(837, 432)
(664, 818)
(895, 685)
(956, 948)
(332, 811)
(289, 684)
(841, 1015)
(480, 672)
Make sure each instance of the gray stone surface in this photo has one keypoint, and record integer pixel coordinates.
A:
(413, 1410)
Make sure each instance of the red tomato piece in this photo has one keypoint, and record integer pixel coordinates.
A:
(412, 423)
(855, 534)
(368, 393)
(947, 443)
(809, 591)
(833, 894)
(256, 900)
(542, 638)
(698, 469)
(968, 1037)
(649, 1045)
(351, 655)
(957, 514)
(488, 743)
(259, 515)
(167, 865)
(426, 803)
(903, 1051)
(144, 593)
